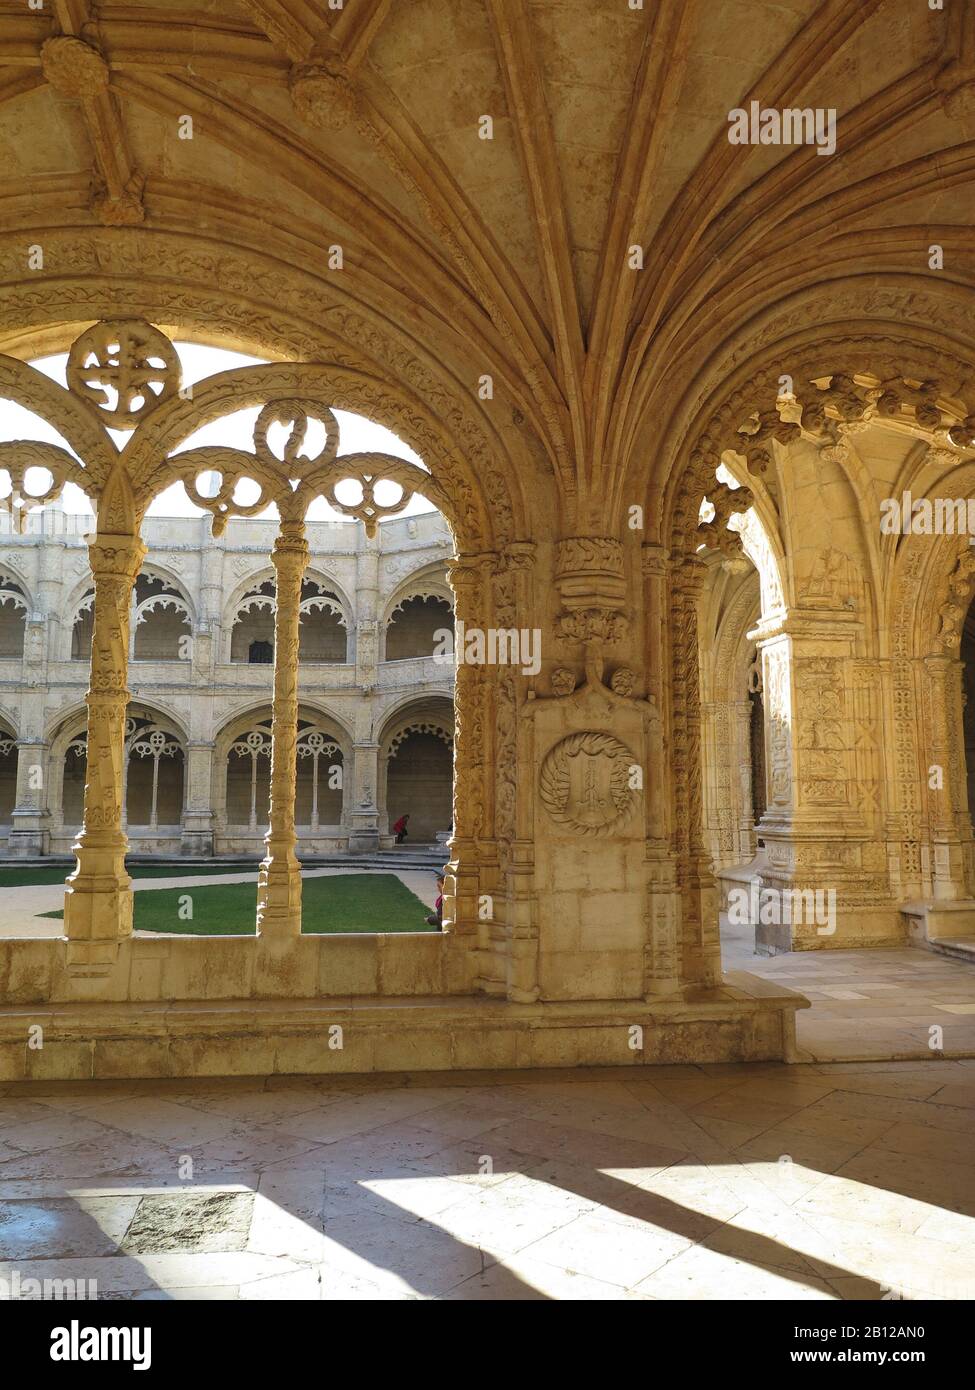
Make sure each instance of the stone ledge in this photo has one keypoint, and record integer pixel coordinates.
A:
(744, 1020)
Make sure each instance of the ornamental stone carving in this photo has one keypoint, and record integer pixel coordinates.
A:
(74, 68)
(585, 783)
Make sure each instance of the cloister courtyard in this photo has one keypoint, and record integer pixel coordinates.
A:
(487, 662)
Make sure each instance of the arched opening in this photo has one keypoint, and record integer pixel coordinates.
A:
(161, 626)
(198, 792)
(252, 633)
(319, 781)
(13, 618)
(417, 750)
(154, 776)
(82, 627)
(415, 627)
(153, 787)
(8, 779)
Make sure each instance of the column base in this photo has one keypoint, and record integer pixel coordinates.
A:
(363, 839)
(279, 898)
(196, 844)
(27, 844)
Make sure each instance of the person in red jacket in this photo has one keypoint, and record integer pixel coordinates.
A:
(399, 829)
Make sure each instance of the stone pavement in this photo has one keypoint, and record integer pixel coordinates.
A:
(805, 1182)
(873, 1004)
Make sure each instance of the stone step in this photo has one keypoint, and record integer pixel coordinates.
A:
(957, 947)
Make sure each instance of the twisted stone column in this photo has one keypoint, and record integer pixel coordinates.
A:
(98, 900)
(279, 880)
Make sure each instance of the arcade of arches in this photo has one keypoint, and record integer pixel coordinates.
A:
(198, 736)
(661, 471)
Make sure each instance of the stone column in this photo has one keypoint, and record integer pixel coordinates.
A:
(279, 880)
(197, 825)
(661, 955)
(741, 715)
(365, 634)
(29, 818)
(98, 898)
(514, 600)
(470, 581)
(822, 831)
(362, 792)
(947, 803)
(207, 637)
(699, 941)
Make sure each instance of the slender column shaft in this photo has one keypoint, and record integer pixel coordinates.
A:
(98, 900)
(279, 881)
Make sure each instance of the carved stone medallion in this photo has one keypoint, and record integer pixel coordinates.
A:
(585, 783)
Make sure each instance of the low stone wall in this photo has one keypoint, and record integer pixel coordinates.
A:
(743, 1020)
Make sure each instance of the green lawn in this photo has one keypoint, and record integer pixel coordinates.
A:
(57, 873)
(335, 903)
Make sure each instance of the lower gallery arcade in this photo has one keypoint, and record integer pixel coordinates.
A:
(275, 688)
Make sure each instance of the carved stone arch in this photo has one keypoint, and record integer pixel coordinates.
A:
(884, 354)
(171, 598)
(68, 727)
(761, 541)
(160, 570)
(317, 574)
(476, 515)
(711, 429)
(268, 306)
(921, 317)
(11, 576)
(79, 603)
(437, 727)
(933, 584)
(9, 721)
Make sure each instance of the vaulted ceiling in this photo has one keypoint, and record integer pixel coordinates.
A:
(360, 125)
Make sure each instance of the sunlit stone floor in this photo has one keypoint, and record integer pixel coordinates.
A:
(697, 1182)
(898, 1002)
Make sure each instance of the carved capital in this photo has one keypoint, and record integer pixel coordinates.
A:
(592, 586)
(654, 560)
(116, 557)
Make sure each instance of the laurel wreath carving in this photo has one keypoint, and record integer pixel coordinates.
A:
(554, 783)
